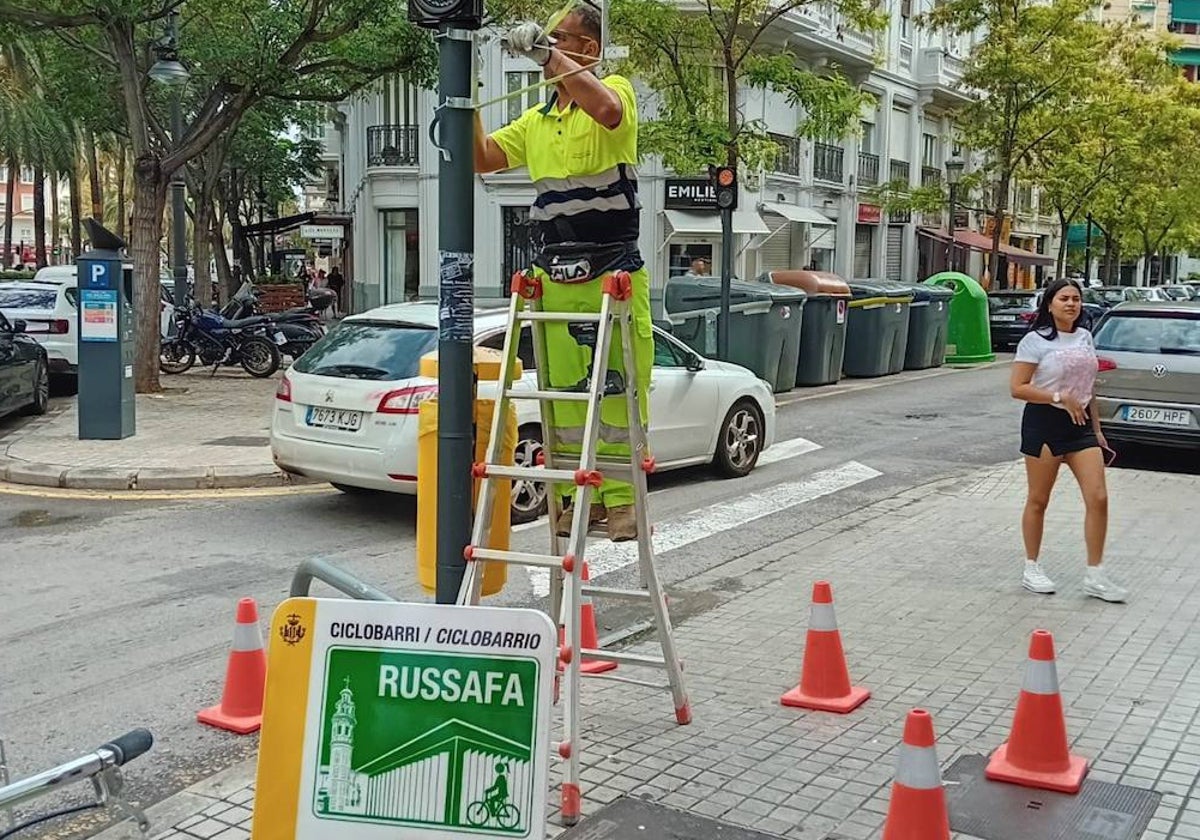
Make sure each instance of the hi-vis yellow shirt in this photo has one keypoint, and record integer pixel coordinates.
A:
(585, 174)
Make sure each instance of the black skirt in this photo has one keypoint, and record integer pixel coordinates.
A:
(1047, 425)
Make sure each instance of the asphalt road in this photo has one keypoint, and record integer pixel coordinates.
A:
(119, 613)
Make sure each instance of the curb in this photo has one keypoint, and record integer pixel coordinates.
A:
(17, 471)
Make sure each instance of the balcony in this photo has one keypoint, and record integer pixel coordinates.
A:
(941, 73)
(392, 145)
(828, 162)
(868, 169)
(825, 34)
(930, 175)
(787, 161)
(898, 171)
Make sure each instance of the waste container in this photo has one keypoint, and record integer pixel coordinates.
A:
(487, 368)
(823, 334)
(765, 324)
(928, 318)
(968, 333)
(877, 328)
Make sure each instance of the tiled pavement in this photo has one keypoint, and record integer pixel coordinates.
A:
(931, 615)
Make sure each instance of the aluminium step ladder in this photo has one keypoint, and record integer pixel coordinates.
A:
(567, 554)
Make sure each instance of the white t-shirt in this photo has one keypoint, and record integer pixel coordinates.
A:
(1066, 364)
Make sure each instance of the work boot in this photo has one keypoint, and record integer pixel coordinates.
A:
(622, 523)
(563, 526)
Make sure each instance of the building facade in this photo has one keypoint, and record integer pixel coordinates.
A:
(813, 209)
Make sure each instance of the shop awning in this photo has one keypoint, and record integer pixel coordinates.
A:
(270, 227)
(1185, 11)
(801, 215)
(983, 243)
(709, 224)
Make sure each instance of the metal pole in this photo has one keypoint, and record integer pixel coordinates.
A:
(456, 246)
(953, 200)
(726, 279)
(1087, 251)
(178, 209)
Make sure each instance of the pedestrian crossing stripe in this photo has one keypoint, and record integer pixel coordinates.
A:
(425, 719)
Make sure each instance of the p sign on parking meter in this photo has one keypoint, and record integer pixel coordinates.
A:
(386, 720)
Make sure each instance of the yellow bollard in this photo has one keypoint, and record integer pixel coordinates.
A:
(500, 533)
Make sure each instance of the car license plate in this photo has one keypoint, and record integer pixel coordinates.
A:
(334, 418)
(280, 338)
(1157, 416)
(1004, 317)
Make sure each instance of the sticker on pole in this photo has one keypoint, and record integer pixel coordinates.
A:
(431, 721)
(841, 311)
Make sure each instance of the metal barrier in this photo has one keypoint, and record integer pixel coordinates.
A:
(339, 579)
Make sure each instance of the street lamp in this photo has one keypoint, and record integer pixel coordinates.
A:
(954, 171)
(167, 70)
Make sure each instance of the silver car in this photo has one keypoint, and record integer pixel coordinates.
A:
(1148, 388)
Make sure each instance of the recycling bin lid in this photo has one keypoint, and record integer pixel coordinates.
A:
(814, 283)
(688, 293)
(860, 289)
(894, 289)
(924, 294)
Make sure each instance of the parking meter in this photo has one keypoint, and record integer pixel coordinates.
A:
(106, 345)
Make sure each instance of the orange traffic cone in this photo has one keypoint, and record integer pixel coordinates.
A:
(589, 639)
(824, 680)
(1036, 754)
(917, 810)
(240, 709)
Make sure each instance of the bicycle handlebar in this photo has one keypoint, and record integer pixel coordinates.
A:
(130, 745)
(113, 753)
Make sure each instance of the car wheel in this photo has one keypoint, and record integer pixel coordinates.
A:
(528, 497)
(41, 389)
(351, 490)
(740, 440)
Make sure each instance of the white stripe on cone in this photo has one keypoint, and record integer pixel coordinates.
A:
(822, 617)
(917, 768)
(1041, 677)
(247, 637)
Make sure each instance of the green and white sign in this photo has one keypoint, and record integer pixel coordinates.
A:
(426, 721)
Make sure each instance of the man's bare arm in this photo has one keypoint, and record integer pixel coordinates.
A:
(598, 100)
(489, 157)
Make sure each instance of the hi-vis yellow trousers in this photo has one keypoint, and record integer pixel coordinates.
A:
(569, 348)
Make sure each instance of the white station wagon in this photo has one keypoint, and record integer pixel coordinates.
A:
(346, 411)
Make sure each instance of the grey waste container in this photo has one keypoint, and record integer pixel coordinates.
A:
(823, 335)
(877, 328)
(764, 324)
(928, 324)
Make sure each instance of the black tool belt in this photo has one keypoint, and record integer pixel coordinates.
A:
(580, 262)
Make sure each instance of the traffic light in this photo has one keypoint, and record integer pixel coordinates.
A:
(431, 14)
(724, 181)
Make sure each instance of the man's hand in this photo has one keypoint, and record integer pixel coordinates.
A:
(529, 39)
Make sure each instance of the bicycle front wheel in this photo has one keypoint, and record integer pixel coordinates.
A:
(508, 816)
(477, 814)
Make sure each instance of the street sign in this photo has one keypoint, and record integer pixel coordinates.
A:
(430, 720)
(321, 232)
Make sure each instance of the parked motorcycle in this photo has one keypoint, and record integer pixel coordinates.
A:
(301, 327)
(215, 340)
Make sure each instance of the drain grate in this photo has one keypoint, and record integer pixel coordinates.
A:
(638, 819)
(239, 440)
(1000, 811)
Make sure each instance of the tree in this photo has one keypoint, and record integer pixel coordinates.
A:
(238, 55)
(698, 61)
(1029, 76)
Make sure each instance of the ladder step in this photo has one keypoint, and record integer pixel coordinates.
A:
(574, 317)
(623, 658)
(576, 396)
(517, 558)
(609, 675)
(604, 465)
(621, 594)
(531, 473)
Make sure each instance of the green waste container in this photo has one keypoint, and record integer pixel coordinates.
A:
(823, 335)
(968, 333)
(764, 324)
(877, 328)
(928, 319)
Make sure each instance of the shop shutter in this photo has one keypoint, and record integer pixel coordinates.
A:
(775, 254)
(862, 251)
(895, 253)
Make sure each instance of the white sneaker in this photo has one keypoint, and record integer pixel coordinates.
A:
(1035, 579)
(1098, 584)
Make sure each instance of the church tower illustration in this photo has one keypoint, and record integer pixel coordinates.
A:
(344, 792)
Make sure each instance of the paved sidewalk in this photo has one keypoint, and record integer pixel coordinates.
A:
(932, 615)
(202, 432)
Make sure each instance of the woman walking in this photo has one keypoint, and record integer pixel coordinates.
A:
(1054, 373)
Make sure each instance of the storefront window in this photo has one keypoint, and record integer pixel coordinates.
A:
(682, 256)
(401, 261)
(863, 240)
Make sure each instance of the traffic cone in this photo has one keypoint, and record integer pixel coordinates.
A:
(1036, 754)
(240, 709)
(824, 680)
(917, 810)
(589, 639)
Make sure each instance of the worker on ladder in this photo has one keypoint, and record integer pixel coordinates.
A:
(581, 151)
